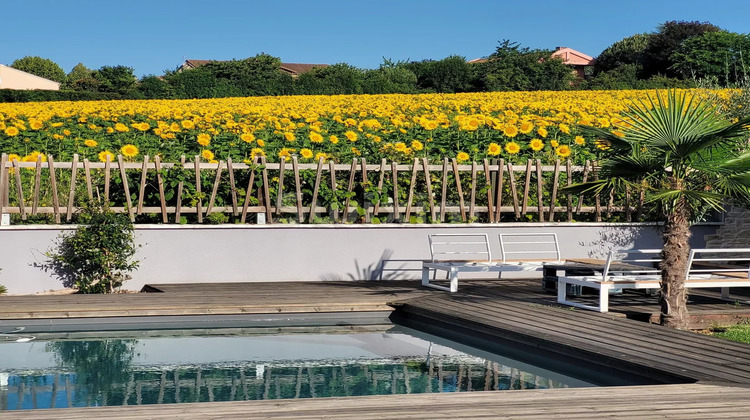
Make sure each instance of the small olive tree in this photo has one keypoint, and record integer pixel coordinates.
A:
(96, 257)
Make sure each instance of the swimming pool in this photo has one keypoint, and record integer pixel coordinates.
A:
(132, 367)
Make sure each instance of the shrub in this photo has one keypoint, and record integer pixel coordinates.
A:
(96, 257)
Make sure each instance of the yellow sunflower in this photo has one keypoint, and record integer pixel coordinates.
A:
(536, 145)
(562, 151)
(306, 153)
(510, 131)
(316, 137)
(462, 157)
(103, 155)
(512, 148)
(129, 150)
(11, 131)
(207, 154)
(247, 137)
(90, 143)
(204, 139)
(580, 141)
(494, 149)
(351, 135)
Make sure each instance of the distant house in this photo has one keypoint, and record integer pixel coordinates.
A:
(294, 69)
(576, 59)
(11, 78)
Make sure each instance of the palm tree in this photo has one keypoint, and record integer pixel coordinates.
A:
(688, 159)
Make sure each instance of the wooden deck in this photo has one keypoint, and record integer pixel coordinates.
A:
(693, 401)
(508, 310)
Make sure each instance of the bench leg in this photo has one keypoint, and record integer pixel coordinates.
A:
(454, 280)
(562, 289)
(725, 293)
(425, 276)
(603, 298)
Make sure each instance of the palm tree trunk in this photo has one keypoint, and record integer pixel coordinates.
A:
(673, 299)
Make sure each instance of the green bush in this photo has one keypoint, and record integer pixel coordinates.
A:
(96, 257)
(10, 95)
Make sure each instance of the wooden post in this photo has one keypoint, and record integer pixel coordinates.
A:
(349, 189)
(3, 181)
(128, 202)
(315, 190)
(444, 191)
(585, 178)
(513, 191)
(473, 189)
(53, 184)
(87, 174)
(248, 191)
(266, 192)
(365, 182)
(459, 189)
(280, 189)
(19, 189)
(160, 182)
(334, 188)
(37, 185)
(232, 186)
(412, 183)
(499, 190)
(488, 185)
(199, 203)
(428, 180)
(142, 188)
(107, 175)
(569, 170)
(71, 195)
(526, 188)
(298, 189)
(178, 204)
(215, 189)
(556, 179)
(394, 177)
(381, 177)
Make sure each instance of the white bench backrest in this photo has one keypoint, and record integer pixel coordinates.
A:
(460, 247)
(719, 260)
(529, 246)
(646, 260)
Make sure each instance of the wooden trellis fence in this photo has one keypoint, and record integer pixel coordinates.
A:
(480, 191)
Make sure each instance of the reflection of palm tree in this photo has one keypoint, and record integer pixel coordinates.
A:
(687, 159)
(99, 365)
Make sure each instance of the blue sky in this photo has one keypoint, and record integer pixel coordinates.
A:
(156, 35)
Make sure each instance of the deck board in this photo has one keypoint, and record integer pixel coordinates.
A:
(664, 401)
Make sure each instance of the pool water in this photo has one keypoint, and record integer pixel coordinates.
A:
(89, 369)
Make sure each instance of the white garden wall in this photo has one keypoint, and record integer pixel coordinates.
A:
(255, 253)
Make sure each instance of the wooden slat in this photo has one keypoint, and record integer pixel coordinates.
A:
(539, 190)
(280, 189)
(349, 190)
(215, 189)
(555, 180)
(472, 203)
(585, 178)
(160, 183)
(87, 175)
(513, 192)
(3, 181)
(107, 176)
(71, 194)
(526, 188)
(597, 197)
(365, 185)
(444, 186)
(381, 179)
(128, 202)
(459, 189)
(313, 203)
(233, 186)
(266, 191)
(428, 181)
(488, 185)
(142, 185)
(199, 202)
(499, 189)
(19, 190)
(37, 185)
(53, 185)
(628, 212)
(297, 189)
(180, 186)
(248, 192)
(412, 185)
(569, 208)
(334, 189)
(394, 180)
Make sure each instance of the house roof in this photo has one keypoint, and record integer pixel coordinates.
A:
(568, 55)
(572, 57)
(291, 68)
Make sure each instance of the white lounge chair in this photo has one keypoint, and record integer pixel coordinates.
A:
(707, 268)
(457, 253)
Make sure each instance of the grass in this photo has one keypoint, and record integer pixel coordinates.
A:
(739, 333)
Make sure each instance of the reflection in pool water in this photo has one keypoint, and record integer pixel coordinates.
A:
(159, 370)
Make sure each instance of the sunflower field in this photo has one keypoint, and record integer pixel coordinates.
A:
(515, 126)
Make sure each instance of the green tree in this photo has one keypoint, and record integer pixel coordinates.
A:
(687, 158)
(666, 41)
(96, 257)
(627, 51)
(449, 75)
(80, 78)
(116, 79)
(338, 79)
(390, 77)
(512, 68)
(720, 55)
(154, 87)
(42, 67)
(255, 76)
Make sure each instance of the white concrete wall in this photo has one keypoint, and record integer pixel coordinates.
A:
(251, 253)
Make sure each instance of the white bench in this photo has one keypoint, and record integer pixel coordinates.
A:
(707, 268)
(456, 253)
